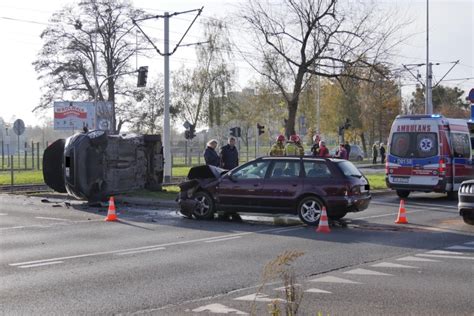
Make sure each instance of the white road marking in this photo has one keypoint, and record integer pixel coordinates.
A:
(223, 239)
(469, 243)
(258, 297)
(40, 264)
(392, 265)
(317, 291)
(53, 218)
(418, 205)
(139, 251)
(3, 214)
(218, 309)
(288, 229)
(62, 223)
(444, 252)
(284, 288)
(146, 247)
(411, 258)
(366, 272)
(445, 256)
(333, 279)
(460, 248)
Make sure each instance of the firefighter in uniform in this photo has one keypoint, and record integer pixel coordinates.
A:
(293, 146)
(278, 149)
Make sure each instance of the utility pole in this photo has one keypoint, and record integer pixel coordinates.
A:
(429, 75)
(166, 54)
(166, 123)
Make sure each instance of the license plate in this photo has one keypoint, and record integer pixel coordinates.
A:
(400, 180)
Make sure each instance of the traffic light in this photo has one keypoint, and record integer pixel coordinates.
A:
(191, 132)
(235, 131)
(142, 76)
(261, 129)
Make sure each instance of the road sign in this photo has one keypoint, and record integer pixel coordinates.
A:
(19, 127)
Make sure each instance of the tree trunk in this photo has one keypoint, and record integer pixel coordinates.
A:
(290, 123)
(364, 145)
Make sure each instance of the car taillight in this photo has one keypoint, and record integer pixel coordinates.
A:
(386, 167)
(442, 167)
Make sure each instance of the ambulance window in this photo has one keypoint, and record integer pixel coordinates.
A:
(426, 145)
(400, 145)
(461, 145)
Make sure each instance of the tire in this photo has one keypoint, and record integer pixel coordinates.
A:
(403, 193)
(309, 210)
(205, 207)
(337, 216)
(452, 195)
(468, 219)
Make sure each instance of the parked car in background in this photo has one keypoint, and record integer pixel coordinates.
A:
(466, 201)
(356, 154)
(277, 185)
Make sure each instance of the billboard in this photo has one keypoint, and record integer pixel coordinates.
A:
(72, 115)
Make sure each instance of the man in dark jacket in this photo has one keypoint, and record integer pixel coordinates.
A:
(210, 155)
(229, 155)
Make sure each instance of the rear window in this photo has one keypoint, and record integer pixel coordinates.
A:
(414, 145)
(348, 169)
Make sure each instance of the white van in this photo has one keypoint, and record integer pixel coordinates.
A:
(429, 153)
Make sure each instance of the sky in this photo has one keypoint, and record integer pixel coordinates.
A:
(22, 21)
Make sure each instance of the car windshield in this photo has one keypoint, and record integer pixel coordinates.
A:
(349, 169)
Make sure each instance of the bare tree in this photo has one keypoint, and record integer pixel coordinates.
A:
(86, 52)
(193, 89)
(294, 40)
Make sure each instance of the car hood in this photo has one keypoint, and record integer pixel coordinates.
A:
(206, 172)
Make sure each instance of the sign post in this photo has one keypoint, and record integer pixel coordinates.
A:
(19, 129)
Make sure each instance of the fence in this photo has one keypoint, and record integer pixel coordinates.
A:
(30, 157)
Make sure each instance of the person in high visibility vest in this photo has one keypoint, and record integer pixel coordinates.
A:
(278, 149)
(293, 146)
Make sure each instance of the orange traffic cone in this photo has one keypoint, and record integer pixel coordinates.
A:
(323, 226)
(402, 216)
(111, 216)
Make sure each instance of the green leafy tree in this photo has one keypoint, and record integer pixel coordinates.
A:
(446, 100)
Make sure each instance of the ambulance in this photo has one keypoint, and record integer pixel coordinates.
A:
(429, 153)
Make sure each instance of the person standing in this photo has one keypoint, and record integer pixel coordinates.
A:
(278, 149)
(292, 147)
(375, 151)
(382, 153)
(342, 152)
(348, 149)
(315, 147)
(323, 150)
(229, 155)
(210, 155)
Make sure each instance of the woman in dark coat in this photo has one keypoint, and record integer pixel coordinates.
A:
(210, 155)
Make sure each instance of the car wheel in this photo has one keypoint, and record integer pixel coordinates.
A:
(205, 205)
(309, 210)
(403, 193)
(337, 216)
(468, 219)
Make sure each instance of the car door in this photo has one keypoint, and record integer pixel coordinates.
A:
(242, 188)
(282, 185)
(321, 180)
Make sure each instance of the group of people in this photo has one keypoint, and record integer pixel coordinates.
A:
(228, 157)
(376, 150)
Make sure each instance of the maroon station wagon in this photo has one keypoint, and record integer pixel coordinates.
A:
(276, 185)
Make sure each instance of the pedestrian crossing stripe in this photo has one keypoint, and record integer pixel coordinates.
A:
(317, 291)
(333, 279)
(444, 252)
(392, 265)
(411, 258)
(218, 309)
(460, 248)
(258, 297)
(366, 272)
